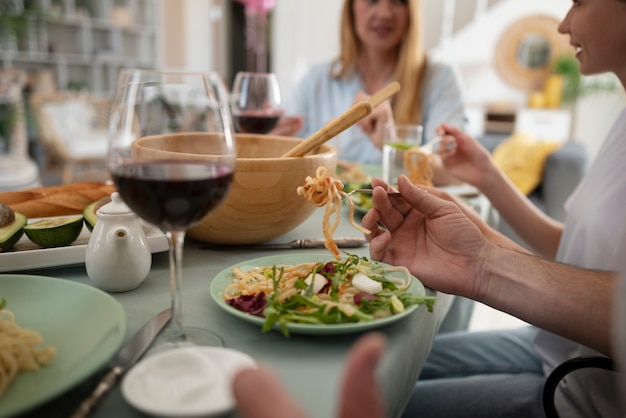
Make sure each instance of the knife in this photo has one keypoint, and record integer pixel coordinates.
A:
(346, 242)
(123, 360)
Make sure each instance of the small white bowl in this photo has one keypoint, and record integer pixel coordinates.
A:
(185, 382)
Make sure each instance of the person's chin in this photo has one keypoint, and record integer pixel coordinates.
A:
(382, 46)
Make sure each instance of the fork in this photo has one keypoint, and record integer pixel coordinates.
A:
(370, 191)
(428, 147)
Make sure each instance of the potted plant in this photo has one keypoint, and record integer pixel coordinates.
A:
(17, 24)
(8, 119)
(12, 24)
(84, 8)
(575, 85)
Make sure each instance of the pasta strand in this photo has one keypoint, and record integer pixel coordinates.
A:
(418, 166)
(19, 350)
(324, 190)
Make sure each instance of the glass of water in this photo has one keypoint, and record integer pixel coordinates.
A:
(398, 139)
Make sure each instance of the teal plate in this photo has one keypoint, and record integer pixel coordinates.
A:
(224, 278)
(84, 324)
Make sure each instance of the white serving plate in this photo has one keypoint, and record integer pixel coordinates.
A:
(27, 255)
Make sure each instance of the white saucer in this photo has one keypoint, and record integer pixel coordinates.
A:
(185, 382)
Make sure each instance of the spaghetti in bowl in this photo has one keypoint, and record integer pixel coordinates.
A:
(346, 310)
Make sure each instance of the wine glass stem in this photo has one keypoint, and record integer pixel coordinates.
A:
(177, 240)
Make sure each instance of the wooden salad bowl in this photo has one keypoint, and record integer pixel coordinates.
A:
(262, 203)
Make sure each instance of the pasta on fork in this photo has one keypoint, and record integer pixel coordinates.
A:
(324, 190)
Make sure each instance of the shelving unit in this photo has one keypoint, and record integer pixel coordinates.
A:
(83, 42)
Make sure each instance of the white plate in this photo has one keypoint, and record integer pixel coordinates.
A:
(84, 324)
(185, 382)
(224, 278)
(27, 256)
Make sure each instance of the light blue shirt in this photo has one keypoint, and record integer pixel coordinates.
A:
(318, 98)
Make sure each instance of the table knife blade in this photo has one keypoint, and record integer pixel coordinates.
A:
(126, 357)
(344, 242)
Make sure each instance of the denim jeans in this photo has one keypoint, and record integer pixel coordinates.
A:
(480, 374)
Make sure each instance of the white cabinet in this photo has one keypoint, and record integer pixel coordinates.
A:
(83, 42)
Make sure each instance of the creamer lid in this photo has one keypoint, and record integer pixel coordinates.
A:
(115, 207)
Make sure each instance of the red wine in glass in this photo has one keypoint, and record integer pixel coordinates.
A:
(255, 102)
(256, 121)
(158, 192)
(172, 155)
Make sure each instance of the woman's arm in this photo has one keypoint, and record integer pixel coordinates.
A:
(537, 229)
(471, 162)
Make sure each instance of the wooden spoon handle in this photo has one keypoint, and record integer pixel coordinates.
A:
(351, 116)
(384, 93)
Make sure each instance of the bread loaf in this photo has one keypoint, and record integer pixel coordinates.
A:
(42, 202)
(12, 198)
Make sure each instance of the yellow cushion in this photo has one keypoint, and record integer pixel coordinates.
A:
(522, 158)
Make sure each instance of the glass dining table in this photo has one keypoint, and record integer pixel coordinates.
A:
(311, 366)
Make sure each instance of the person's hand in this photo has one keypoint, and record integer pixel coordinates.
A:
(259, 393)
(287, 126)
(441, 176)
(428, 234)
(373, 125)
(464, 157)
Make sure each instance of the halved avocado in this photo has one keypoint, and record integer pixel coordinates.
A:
(12, 232)
(89, 213)
(54, 232)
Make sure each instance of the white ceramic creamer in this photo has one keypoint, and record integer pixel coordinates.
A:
(118, 258)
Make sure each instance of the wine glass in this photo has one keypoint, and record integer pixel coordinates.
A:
(255, 102)
(171, 157)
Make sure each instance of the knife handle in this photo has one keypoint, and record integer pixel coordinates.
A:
(105, 384)
(347, 242)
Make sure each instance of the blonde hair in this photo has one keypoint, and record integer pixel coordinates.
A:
(410, 66)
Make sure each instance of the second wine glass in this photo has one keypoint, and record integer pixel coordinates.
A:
(256, 102)
(171, 157)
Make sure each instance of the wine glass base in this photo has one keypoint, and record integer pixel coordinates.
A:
(172, 338)
(203, 337)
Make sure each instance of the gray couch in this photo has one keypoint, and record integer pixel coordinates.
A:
(563, 171)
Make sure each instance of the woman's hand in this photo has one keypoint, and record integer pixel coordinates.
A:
(429, 235)
(373, 125)
(260, 394)
(287, 126)
(464, 157)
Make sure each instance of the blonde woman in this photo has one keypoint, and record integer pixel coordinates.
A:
(381, 41)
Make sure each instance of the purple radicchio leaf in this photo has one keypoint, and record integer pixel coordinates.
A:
(251, 304)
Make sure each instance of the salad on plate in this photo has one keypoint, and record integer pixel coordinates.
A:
(353, 291)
